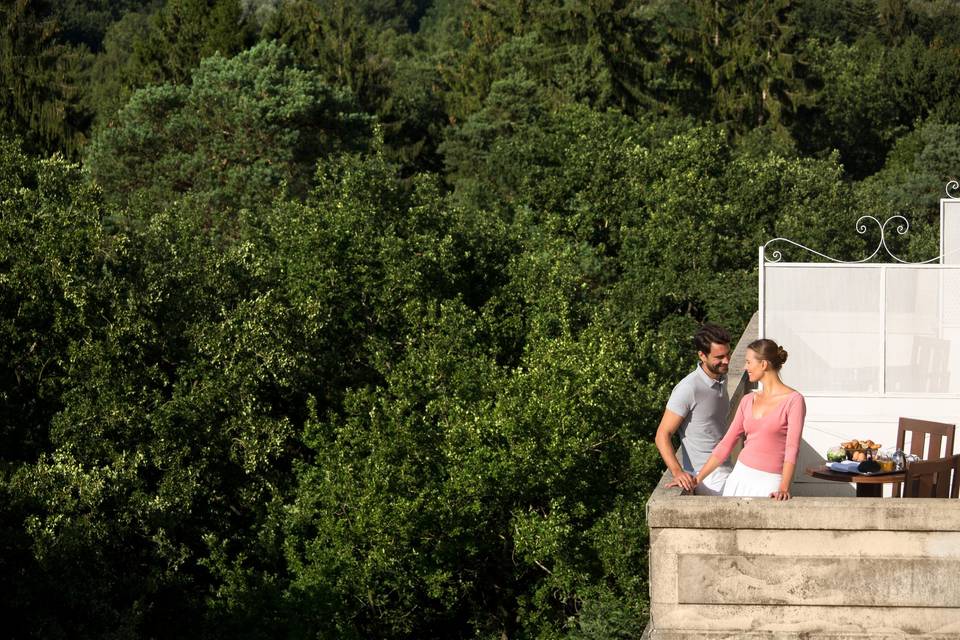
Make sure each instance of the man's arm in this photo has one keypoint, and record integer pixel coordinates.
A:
(669, 424)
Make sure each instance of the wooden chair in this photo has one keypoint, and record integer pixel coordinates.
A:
(933, 478)
(919, 430)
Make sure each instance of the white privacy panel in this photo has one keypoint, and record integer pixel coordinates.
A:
(950, 239)
(918, 353)
(830, 321)
(869, 342)
(950, 231)
(866, 329)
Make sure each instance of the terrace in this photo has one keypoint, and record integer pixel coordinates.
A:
(869, 342)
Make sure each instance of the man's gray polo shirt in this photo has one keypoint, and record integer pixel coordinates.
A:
(704, 404)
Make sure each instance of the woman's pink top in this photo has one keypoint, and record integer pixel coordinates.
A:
(770, 440)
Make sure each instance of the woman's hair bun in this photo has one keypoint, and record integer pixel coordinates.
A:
(781, 355)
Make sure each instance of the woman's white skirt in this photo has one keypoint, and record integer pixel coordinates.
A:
(749, 482)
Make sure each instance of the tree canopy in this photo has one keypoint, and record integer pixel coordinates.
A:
(355, 319)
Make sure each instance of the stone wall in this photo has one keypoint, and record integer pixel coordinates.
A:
(810, 567)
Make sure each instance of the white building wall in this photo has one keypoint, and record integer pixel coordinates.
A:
(835, 419)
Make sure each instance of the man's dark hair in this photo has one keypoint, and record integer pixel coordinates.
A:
(709, 334)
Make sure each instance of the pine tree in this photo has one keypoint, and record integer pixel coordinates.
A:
(745, 50)
(40, 98)
(336, 38)
(182, 33)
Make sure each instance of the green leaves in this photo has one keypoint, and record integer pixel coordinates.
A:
(52, 249)
(462, 483)
(260, 377)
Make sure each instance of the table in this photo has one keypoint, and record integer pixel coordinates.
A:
(867, 486)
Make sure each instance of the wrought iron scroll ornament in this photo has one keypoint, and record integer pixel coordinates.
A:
(953, 184)
(862, 225)
(903, 225)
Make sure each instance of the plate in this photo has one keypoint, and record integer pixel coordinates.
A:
(849, 466)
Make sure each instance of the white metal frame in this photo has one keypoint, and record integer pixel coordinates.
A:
(902, 226)
(882, 286)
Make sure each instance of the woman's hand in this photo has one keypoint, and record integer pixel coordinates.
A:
(785, 479)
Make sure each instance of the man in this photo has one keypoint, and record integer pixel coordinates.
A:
(697, 410)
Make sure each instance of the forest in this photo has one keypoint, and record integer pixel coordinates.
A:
(356, 318)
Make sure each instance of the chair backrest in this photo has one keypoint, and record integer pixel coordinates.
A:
(918, 430)
(933, 478)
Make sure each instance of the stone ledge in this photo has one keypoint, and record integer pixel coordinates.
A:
(670, 508)
(651, 634)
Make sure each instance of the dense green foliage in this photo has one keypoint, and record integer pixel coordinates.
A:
(244, 131)
(328, 319)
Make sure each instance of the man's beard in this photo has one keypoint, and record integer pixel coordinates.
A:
(719, 369)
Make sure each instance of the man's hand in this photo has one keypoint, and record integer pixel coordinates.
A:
(685, 480)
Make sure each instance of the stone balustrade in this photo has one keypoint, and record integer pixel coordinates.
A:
(835, 568)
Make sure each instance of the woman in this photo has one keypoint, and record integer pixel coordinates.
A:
(772, 421)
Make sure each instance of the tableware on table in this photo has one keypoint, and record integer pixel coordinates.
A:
(885, 461)
(899, 460)
(845, 466)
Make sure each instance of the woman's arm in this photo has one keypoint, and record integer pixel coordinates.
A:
(795, 418)
(712, 463)
(786, 477)
(736, 429)
(721, 452)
